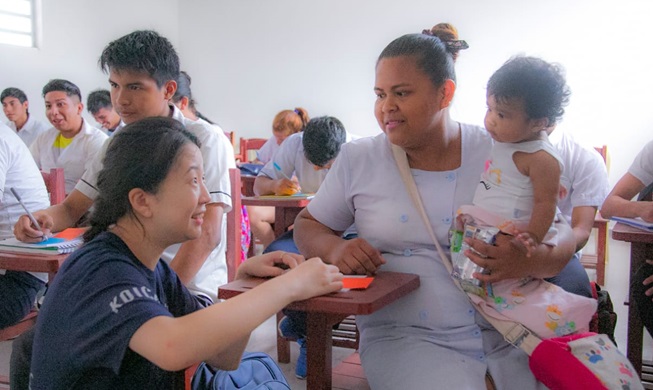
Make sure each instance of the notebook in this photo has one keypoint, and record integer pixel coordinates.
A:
(65, 241)
(635, 222)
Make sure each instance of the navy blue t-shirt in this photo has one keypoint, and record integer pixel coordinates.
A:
(100, 297)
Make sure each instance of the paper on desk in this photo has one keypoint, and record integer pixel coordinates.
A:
(356, 282)
(635, 222)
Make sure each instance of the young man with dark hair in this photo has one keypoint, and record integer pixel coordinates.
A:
(143, 68)
(16, 107)
(71, 143)
(99, 105)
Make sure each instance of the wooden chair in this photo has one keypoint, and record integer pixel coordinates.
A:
(234, 219)
(55, 183)
(596, 260)
(250, 144)
(231, 135)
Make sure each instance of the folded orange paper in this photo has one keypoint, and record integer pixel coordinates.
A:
(356, 283)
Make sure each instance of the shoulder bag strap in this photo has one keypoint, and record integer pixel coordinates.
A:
(514, 332)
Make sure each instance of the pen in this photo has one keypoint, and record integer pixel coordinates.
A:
(30, 215)
(278, 168)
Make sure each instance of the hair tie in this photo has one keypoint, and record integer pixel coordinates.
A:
(458, 44)
(426, 31)
(297, 112)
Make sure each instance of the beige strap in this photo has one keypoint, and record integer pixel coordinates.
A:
(513, 332)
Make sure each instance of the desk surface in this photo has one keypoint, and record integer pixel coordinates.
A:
(386, 288)
(290, 202)
(623, 232)
(31, 262)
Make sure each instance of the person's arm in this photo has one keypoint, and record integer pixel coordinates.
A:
(265, 186)
(543, 171)
(218, 334)
(355, 256)
(192, 254)
(619, 203)
(506, 261)
(582, 222)
(54, 218)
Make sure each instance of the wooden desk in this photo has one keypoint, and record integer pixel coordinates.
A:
(641, 248)
(285, 210)
(325, 311)
(32, 263)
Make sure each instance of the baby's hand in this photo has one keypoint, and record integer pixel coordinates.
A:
(527, 242)
(314, 277)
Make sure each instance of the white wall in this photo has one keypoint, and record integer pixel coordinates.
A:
(251, 58)
(73, 36)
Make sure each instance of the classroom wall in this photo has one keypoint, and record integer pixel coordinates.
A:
(73, 35)
(251, 58)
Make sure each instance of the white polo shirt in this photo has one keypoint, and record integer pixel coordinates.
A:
(268, 150)
(18, 170)
(642, 166)
(290, 158)
(74, 159)
(218, 157)
(31, 129)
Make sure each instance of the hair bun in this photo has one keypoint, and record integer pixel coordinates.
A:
(448, 34)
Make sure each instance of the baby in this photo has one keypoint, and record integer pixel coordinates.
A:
(519, 188)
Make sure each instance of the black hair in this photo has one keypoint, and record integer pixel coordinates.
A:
(431, 55)
(15, 93)
(97, 100)
(183, 90)
(61, 85)
(139, 156)
(142, 51)
(322, 139)
(539, 84)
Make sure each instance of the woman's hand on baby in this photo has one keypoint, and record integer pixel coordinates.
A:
(286, 187)
(312, 278)
(503, 260)
(357, 257)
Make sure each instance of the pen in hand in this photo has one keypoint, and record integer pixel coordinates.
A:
(278, 168)
(30, 215)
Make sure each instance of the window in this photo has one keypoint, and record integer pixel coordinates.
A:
(18, 22)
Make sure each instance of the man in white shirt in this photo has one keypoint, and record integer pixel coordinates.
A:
(71, 143)
(17, 170)
(98, 103)
(16, 107)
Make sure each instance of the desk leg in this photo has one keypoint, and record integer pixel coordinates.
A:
(318, 351)
(635, 326)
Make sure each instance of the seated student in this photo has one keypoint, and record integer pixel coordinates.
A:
(17, 170)
(620, 203)
(16, 107)
(183, 99)
(200, 263)
(308, 155)
(284, 124)
(584, 180)
(117, 316)
(99, 105)
(72, 143)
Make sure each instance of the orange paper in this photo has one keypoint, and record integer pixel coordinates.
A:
(70, 233)
(356, 283)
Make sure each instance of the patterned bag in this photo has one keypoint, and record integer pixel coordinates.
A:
(582, 361)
